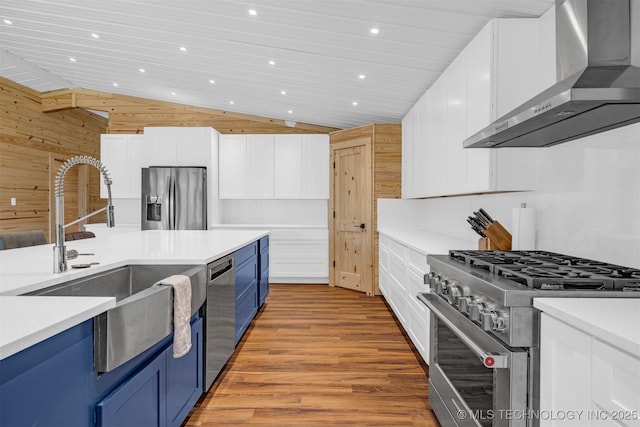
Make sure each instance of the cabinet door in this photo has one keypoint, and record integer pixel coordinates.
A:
(193, 145)
(259, 167)
(288, 167)
(184, 378)
(140, 401)
(456, 124)
(163, 145)
(565, 365)
(479, 81)
(315, 167)
(436, 150)
(123, 156)
(409, 124)
(232, 166)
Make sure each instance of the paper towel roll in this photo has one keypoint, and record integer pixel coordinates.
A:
(524, 228)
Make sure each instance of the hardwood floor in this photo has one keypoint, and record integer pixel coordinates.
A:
(320, 356)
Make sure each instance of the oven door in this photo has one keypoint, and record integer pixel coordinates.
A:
(474, 380)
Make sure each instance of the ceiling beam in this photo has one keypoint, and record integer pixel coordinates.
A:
(130, 114)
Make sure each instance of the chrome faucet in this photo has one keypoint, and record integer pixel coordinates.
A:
(59, 249)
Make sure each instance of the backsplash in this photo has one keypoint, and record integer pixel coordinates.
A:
(587, 201)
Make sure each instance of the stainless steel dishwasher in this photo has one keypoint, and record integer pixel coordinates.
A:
(219, 329)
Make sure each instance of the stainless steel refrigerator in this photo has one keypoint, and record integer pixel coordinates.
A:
(174, 198)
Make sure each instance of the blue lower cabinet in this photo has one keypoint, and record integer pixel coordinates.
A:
(140, 401)
(160, 394)
(50, 383)
(184, 378)
(246, 275)
(263, 268)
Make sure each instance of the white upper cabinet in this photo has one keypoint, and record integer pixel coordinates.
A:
(232, 166)
(178, 146)
(288, 167)
(501, 68)
(259, 167)
(123, 156)
(315, 166)
(274, 166)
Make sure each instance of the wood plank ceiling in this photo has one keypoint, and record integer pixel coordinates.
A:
(319, 49)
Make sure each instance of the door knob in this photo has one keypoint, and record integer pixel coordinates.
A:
(362, 226)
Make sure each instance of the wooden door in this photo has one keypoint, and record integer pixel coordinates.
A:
(352, 215)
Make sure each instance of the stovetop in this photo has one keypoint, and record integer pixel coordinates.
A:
(551, 271)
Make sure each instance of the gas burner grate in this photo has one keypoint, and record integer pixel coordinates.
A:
(549, 270)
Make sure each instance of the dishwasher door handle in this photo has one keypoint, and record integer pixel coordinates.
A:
(217, 271)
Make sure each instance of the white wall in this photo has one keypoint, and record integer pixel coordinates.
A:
(587, 201)
(290, 212)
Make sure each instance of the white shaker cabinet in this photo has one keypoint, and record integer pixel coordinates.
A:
(500, 69)
(288, 167)
(315, 166)
(232, 166)
(274, 166)
(259, 169)
(178, 146)
(401, 279)
(123, 156)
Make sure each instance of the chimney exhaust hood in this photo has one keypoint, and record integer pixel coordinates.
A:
(598, 70)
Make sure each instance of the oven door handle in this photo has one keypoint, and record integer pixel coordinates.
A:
(489, 359)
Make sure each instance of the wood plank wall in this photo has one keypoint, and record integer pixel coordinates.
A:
(386, 170)
(30, 141)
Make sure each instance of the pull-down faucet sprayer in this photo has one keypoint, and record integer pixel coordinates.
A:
(59, 249)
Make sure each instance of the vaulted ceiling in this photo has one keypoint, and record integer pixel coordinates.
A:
(308, 61)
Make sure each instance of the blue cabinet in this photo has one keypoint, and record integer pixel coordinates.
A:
(53, 383)
(184, 378)
(160, 394)
(246, 275)
(140, 401)
(263, 269)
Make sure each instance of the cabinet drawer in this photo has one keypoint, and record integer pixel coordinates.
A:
(246, 309)
(246, 277)
(243, 254)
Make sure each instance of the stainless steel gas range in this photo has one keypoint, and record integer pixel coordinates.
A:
(484, 359)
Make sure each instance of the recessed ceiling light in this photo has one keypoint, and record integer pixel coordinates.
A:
(72, 59)
(374, 30)
(272, 62)
(362, 77)
(6, 21)
(290, 111)
(116, 84)
(142, 70)
(231, 102)
(183, 49)
(283, 92)
(253, 12)
(212, 81)
(95, 36)
(173, 93)
(354, 103)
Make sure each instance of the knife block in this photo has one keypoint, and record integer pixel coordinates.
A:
(498, 238)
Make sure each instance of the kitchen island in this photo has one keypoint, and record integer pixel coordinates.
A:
(46, 343)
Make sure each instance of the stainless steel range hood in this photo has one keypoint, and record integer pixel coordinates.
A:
(598, 70)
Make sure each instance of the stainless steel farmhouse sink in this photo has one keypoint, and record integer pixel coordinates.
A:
(143, 314)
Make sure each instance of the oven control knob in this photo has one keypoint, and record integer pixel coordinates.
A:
(431, 279)
(485, 320)
(499, 321)
(441, 286)
(465, 303)
(476, 307)
(453, 293)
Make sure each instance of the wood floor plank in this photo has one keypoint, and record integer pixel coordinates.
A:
(320, 356)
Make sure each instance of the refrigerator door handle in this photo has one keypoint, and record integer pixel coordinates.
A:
(172, 203)
(166, 205)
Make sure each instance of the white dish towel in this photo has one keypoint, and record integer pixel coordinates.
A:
(181, 313)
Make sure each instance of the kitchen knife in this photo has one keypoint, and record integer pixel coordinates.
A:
(481, 220)
(474, 223)
(486, 215)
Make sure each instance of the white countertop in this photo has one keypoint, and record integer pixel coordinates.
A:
(427, 243)
(615, 321)
(29, 269)
(25, 321)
